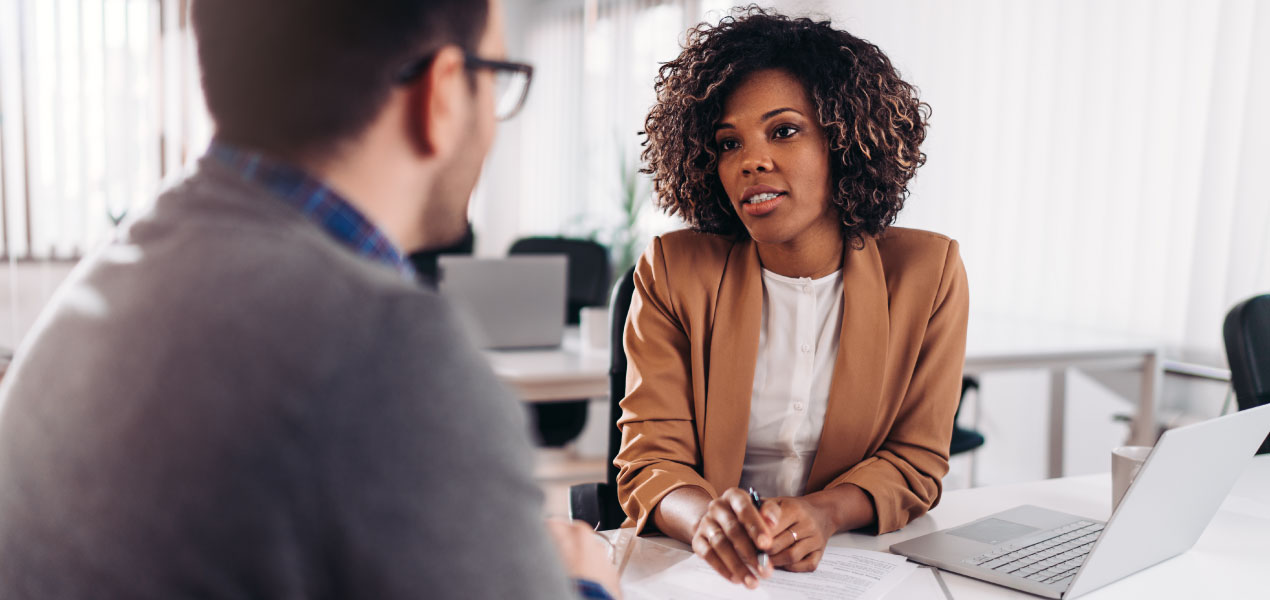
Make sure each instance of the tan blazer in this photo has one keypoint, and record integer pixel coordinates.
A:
(692, 344)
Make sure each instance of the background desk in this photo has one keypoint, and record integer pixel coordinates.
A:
(999, 343)
(553, 374)
(993, 343)
(1228, 561)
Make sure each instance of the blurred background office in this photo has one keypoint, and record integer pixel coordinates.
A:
(1103, 164)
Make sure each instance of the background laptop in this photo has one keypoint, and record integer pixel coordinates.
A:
(513, 302)
(1174, 497)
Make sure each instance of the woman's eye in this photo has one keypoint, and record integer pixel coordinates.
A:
(784, 131)
(726, 145)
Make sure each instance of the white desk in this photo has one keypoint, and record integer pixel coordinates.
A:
(1228, 561)
(553, 374)
(996, 343)
(993, 344)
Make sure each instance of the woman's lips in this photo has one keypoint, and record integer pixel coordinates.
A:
(758, 209)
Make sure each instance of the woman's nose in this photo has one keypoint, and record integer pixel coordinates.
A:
(756, 161)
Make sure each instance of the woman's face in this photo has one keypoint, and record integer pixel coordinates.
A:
(774, 160)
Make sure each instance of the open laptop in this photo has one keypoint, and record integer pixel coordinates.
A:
(1057, 555)
(513, 302)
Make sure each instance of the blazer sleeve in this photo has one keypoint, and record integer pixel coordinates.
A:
(904, 476)
(660, 451)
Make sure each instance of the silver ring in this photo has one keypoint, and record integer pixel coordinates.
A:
(794, 533)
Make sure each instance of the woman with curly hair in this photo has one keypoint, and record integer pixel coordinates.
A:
(792, 341)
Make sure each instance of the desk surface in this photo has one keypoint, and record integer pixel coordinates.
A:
(1228, 561)
(568, 372)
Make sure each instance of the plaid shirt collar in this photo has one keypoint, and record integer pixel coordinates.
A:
(314, 200)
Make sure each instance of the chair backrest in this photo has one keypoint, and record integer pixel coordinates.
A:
(619, 306)
(1247, 334)
(588, 274)
(425, 261)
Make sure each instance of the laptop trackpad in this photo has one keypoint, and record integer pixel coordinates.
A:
(992, 531)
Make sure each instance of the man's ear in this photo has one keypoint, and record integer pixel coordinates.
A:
(441, 101)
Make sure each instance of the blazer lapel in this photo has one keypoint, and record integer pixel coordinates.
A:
(734, 352)
(855, 391)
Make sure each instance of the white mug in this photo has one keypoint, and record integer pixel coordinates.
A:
(593, 323)
(1125, 463)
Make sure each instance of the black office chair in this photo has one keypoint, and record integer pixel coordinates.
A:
(1247, 334)
(965, 440)
(425, 261)
(587, 284)
(596, 503)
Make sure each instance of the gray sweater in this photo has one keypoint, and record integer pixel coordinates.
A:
(230, 404)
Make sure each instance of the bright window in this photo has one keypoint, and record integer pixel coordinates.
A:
(100, 104)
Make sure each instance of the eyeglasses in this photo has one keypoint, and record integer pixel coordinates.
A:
(511, 80)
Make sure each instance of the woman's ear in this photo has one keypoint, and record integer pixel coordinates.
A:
(441, 101)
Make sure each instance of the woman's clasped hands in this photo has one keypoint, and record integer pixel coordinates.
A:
(732, 533)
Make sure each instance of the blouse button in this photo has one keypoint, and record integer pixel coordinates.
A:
(806, 348)
(798, 406)
(807, 289)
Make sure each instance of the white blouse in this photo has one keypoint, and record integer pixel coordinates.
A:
(797, 348)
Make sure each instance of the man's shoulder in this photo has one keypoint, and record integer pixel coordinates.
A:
(223, 233)
(221, 270)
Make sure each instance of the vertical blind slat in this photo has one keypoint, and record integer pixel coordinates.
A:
(107, 157)
(24, 90)
(160, 88)
(4, 180)
(82, 187)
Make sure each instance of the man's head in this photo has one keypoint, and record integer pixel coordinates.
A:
(319, 82)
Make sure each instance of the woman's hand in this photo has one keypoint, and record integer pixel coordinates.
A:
(807, 523)
(732, 532)
(803, 530)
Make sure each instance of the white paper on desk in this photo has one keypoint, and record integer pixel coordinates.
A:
(843, 574)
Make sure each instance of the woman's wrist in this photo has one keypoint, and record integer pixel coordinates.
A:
(679, 512)
(843, 508)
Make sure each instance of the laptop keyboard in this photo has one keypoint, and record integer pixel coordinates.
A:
(1053, 559)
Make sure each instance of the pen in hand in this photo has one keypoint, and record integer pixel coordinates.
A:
(758, 504)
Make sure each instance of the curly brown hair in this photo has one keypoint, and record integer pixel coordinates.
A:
(873, 120)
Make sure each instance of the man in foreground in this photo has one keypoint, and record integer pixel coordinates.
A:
(248, 395)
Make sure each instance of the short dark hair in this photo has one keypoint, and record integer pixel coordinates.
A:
(873, 120)
(296, 77)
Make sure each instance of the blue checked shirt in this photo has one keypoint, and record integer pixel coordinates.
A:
(314, 200)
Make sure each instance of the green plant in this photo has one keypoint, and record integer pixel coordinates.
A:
(628, 240)
(622, 233)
